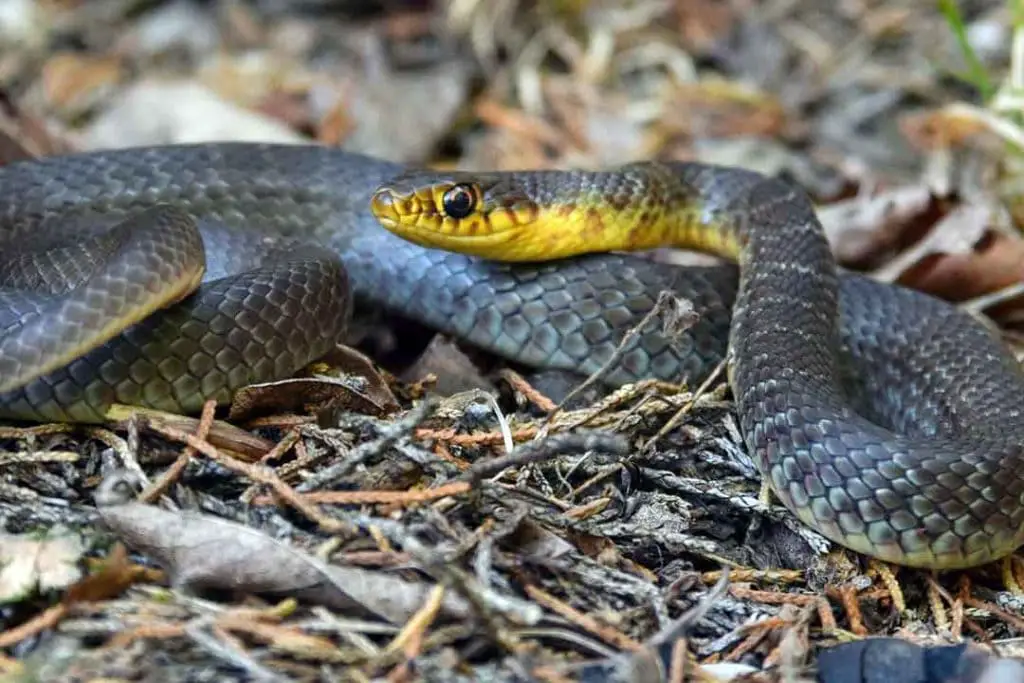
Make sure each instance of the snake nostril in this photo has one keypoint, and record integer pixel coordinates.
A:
(383, 202)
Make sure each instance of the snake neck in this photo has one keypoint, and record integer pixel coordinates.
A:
(636, 207)
(639, 207)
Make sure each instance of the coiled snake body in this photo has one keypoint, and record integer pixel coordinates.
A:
(883, 418)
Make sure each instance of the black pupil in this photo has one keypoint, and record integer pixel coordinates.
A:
(458, 203)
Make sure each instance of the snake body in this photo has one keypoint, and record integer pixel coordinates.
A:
(883, 418)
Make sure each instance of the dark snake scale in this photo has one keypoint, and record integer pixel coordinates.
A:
(885, 419)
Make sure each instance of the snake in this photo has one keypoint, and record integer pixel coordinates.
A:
(164, 277)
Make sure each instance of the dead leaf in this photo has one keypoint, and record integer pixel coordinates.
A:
(305, 395)
(591, 545)
(202, 551)
(453, 371)
(704, 22)
(335, 125)
(714, 108)
(314, 395)
(531, 539)
(73, 82)
(360, 388)
(224, 435)
(352, 362)
(995, 263)
(115, 576)
(38, 564)
(288, 107)
(863, 228)
(957, 233)
(940, 128)
(24, 137)
(248, 81)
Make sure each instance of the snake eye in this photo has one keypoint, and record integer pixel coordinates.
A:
(459, 201)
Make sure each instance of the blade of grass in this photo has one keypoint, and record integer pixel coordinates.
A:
(976, 74)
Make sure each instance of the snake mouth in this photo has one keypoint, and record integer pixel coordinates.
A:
(483, 246)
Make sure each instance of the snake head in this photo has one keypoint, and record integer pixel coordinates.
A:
(535, 215)
(473, 213)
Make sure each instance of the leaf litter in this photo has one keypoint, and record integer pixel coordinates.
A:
(355, 525)
(29, 565)
(202, 551)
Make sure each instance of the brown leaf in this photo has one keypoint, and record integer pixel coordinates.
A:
(720, 108)
(356, 364)
(288, 107)
(997, 262)
(591, 545)
(74, 82)
(957, 233)
(454, 371)
(940, 129)
(531, 539)
(361, 388)
(703, 22)
(224, 435)
(115, 576)
(202, 551)
(861, 229)
(336, 125)
(24, 137)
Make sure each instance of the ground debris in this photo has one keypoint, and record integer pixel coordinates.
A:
(43, 564)
(202, 551)
(364, 528)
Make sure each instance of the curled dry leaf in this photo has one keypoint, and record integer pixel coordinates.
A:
(961, 257)
(454, 370)
(361, 389)
(957, 233)
(306, 395)
(704, 22)
(113, 577)
(201, 551)
(224, 435)
(352, 362)
(30, 564)
(533, 541)
(996, 262)
(863, 228)
(941, 128)
(25, 137)
(73, 83)
(717, 108)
